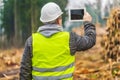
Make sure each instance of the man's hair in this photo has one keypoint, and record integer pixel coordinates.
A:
(52, 22)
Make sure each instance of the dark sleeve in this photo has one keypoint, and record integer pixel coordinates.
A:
(81, 43)
(26, 63)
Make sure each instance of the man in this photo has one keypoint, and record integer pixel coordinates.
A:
(49, 53)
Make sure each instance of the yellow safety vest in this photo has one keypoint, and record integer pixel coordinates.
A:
(51, 57)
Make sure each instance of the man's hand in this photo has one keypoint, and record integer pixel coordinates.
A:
(87, 17)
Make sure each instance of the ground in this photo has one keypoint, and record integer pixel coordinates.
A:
(90, 64)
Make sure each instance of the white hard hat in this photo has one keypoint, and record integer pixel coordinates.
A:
(50, 12)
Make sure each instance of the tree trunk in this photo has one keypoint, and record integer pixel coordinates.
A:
(34, 15)
(17, 38)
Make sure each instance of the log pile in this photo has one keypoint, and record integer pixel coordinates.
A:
(111, 41)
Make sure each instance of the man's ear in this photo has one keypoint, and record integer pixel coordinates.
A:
(57, 21)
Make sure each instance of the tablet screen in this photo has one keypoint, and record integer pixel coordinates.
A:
(76, 14)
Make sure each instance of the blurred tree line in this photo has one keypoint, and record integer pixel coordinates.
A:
(21, 17)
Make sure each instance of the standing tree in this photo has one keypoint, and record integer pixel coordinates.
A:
(34, 14)
(17, 24)
(8, 21)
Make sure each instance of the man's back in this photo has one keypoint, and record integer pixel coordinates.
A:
(49, 53)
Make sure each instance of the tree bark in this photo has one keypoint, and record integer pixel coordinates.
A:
(33, 18)
(17, 38)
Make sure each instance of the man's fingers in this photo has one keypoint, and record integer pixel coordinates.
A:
(87, 17)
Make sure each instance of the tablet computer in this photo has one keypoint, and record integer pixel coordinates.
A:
(76, 14)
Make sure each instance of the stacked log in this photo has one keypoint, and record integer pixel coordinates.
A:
(111, 41)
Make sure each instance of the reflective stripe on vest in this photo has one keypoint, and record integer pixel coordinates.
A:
(62, 68)
(51, 57)
(53, 77)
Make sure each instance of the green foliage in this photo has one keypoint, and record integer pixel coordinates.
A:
(28, 16)
(25, 18)
(8, 18)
